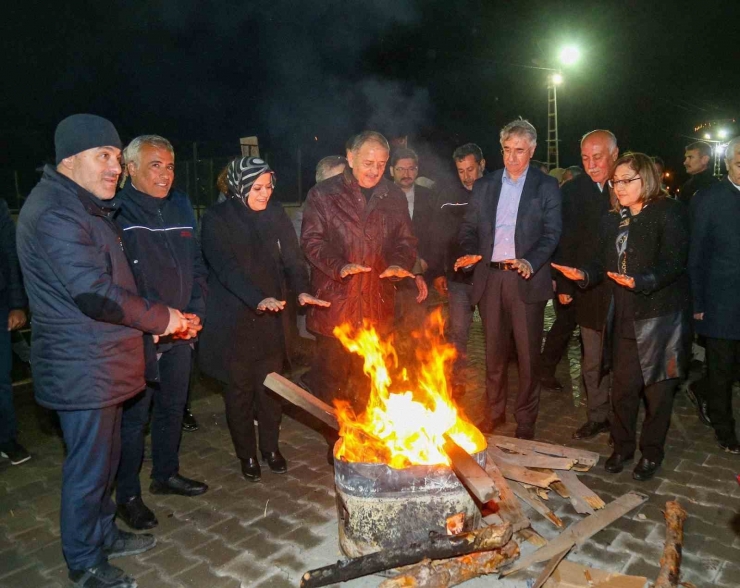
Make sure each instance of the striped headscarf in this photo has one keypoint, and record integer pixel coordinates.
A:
(243, 173)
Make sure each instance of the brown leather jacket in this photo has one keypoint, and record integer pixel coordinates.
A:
(339, 227)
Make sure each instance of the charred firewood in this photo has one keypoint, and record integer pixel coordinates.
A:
(437, 547)
(451, 572)
(670, 563)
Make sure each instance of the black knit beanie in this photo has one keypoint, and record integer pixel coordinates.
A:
(80, 132)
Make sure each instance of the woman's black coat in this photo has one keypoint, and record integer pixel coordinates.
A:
(657, 256)
(249, 255)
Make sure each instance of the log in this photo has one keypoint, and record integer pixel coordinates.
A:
(526, 496)
(581, 531)
(474, 477)
(585, 458)
(670, 562)
(451, 572)
(583, 499)
(300, 397)
(532, 460)
(436, 547)
(509, 508)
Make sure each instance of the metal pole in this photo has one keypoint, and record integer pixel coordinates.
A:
(553, 154)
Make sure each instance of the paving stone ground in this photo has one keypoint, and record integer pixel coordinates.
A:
(267, 534)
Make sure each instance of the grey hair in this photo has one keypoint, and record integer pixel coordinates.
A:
(132, 150)
(732, 146)
(519, 128)
(704, 149)
(369, 137)
(609, 135)
(575, 170)
(327, 164)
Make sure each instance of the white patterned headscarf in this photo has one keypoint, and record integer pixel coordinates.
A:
(243, 173)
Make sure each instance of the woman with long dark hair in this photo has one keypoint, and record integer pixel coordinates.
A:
(251, 248)
(643, 250)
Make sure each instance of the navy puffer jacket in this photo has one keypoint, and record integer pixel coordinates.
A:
(87, 350)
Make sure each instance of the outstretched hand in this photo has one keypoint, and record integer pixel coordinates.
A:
(522, 266)
(271, 304)
(571, 273)
(305, 298)
(466, 261)
(353, 268)
(622, 280)
(421, 286)
(396, 271)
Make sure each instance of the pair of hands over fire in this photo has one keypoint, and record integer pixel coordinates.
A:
(182, 325)
(577, 275)
(520, 265)
(392, 272)
(275, 305)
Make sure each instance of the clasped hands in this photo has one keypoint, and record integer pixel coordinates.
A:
(522, 266)
(182, 325)
(577, 275)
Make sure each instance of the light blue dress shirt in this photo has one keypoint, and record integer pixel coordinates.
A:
(506, 213)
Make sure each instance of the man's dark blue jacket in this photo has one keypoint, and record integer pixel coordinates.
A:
(87, 350)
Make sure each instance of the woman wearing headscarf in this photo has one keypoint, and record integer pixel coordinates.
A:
(251, 248)
(643, 251)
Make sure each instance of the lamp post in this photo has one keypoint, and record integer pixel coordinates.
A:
(568, 56)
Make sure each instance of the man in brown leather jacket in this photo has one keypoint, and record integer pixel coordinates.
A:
(357, 236)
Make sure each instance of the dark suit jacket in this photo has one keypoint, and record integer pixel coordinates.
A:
(538, 228)
(424, 205)
(714, 261)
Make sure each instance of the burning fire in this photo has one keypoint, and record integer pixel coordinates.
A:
(404, 422)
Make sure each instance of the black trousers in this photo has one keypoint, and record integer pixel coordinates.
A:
(168, 396)
(558, 337)
(627, 387)
(247, 399)
(504, 313)
(723, 367)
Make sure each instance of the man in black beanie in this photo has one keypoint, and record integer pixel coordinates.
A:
(87, 348)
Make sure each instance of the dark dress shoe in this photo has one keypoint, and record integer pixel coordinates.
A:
(730, 445)
(103, 575)
(490, 427)
(645, 469)
(591, 429)
(178, 484)
(551, 383)
(702, 408)
(130, 544)
(251, 469)
(188, 421)
(276, 461)
(525, 433)
(616, 461)
(136, 514)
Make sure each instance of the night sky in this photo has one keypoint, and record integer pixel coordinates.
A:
(311, 74)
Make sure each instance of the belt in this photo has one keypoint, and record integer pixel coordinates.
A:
(500, 265)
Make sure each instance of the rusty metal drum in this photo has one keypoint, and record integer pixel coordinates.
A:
(380, 507)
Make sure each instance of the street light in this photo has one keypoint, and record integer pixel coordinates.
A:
(567, 56)
(707, 136)
(722, 134)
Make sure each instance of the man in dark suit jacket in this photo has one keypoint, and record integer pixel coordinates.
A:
(512, 226)
(715, 282)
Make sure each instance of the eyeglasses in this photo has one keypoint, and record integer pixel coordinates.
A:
(403, 170)
(622, 183)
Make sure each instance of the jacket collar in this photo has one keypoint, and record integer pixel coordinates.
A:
(92, 204)
(149, 203)
(380, 190)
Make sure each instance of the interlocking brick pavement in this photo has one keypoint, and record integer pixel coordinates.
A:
(266, 535)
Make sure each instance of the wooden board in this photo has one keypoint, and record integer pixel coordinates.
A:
(532, 460)
(473, 477)
(300, 397)
(573, 575)
(509, 508)
(583, 499)
(581, 531)
(522, 474)
(550, 568)
(585, 458)
(529, 498)
(532, 537)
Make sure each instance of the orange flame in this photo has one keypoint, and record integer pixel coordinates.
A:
(402, 426)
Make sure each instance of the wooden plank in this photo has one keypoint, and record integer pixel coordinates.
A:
(521, 474)
(509, 508)
(474, 477)
(585, 458)
(532, 537)
(581, 531)
(532, 460)
(300, 397)
(550, 568)
(572, 575)
(527, 497)
(561, 490)
(583, 499)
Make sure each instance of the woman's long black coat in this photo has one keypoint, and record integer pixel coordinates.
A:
(657, 256)
(249, 255)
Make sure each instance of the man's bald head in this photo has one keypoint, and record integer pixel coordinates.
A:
(598, 152)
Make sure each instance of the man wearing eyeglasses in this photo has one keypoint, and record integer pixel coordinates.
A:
(410, 310)
(585, 201)
(510, 232)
